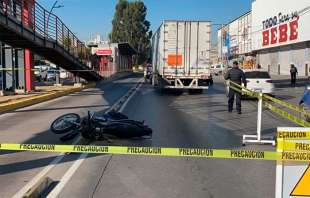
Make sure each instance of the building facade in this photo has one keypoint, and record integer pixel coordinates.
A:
(111, 58)
(234, 41)
(214, 55)
(281, 35)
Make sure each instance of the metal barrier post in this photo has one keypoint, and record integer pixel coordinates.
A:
(259, 117)
(258, 139)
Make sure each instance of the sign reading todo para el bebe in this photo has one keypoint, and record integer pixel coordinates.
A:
(276, 23)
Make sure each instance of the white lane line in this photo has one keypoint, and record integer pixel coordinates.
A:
(131, 96)
(67, 176)
(54, 163)
(41, 174)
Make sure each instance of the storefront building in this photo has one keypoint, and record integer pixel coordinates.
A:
(281, 35)
(234, 41)
(112, 58)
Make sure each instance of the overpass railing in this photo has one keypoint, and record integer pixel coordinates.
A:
(33, 16)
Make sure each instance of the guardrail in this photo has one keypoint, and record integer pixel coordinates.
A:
(31, 15)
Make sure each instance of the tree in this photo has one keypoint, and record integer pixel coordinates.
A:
(118, 31)
(130, 25)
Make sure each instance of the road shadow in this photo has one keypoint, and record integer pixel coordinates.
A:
(37, 163)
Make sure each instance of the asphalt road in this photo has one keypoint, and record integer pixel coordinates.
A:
(183, 121)
(177, 120)
(31, 125)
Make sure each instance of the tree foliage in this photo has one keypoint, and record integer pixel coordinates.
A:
(130, 25)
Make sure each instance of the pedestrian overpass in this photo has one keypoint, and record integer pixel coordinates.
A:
(26, 24)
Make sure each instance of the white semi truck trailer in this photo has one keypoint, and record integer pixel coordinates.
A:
(181, 55)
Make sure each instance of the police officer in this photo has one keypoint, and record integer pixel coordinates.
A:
(235, 75)
(294, 73)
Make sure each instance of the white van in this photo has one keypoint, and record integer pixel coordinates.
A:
(217, 69)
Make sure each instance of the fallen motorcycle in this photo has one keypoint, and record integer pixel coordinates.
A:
(94, 127)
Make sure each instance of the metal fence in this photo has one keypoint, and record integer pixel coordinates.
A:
(33, 16)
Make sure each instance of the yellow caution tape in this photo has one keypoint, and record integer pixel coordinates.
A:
(243, 90)
(252, 93)
(159, 151)
(287, 105)
(294, 135)
(293, 146)
(287, 115)
(294, 156)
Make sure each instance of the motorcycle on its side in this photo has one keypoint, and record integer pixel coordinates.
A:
(111, 124)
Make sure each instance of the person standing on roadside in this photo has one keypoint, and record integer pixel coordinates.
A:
(294, 73)
(237, 76)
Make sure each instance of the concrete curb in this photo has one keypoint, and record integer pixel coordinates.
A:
(41, 98)
(38, 189)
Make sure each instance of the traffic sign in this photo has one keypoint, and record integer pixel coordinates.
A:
(302, 188)
(292, 178)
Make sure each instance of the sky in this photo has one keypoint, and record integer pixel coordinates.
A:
(86, 17)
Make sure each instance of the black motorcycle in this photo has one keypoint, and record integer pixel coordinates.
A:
(94, 127)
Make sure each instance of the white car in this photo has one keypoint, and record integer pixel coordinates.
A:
(217, 69)
(259, 81)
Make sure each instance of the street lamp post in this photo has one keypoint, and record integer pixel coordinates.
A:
(55, 6)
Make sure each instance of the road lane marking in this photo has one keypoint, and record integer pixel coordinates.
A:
(67, 176)
(41, 174)
(55, 162)
(130, 97)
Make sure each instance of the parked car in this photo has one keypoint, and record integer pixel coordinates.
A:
(64, 74)
(258, 80)
(305, 101)
(41, 72)
(217, 69)
(51, 75)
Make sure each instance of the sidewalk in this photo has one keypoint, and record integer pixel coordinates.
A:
(284, 81)
(280, 78)
(39, 90)
(9, 103)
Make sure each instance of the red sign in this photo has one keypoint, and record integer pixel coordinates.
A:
(103, 52)
(282, 33)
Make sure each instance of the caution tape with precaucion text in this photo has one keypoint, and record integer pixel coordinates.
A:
(160, 151)
(267, 102)
(293, 135)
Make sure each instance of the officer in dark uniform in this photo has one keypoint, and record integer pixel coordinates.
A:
(235, 75)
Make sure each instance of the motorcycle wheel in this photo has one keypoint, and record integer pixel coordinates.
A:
(64, 124)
